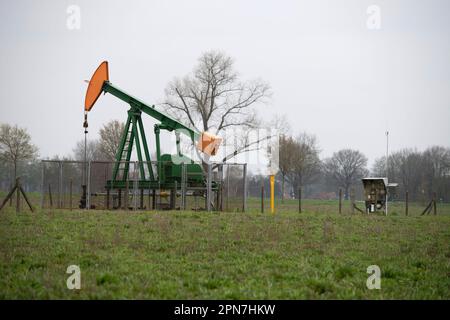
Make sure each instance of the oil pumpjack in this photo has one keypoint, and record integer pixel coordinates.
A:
(168, 171)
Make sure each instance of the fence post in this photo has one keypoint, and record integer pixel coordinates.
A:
(18, 195)
(50, 195)
(340, 200)
(60, 196)
(299, 199)
(228, 186)
(107, 198)
(88, 193)
(352, 200)
(406, 203)
(70, 194)
(149, 199)
(183, 186)
(154, 199)
(127, 190)
(220, 191)
(262, 198)
(42, 184)
(150, 192)
(244, 204)
(208, 189)
(119, 199)
(434, 203)
(173, 196)
(11, 198)
(136, 185)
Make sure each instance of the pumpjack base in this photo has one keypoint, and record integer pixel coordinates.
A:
(156, 185)
(156, 190)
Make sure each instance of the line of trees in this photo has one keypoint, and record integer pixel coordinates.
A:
(19, 156)
(301, 167)
(419, 173)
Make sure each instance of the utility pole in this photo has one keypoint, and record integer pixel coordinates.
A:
(83, 199)
(387, 167)
(85, 149)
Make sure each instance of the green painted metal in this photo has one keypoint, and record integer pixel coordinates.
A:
(128, 150)
(119, 153)
(146, 152)
(138, 147)
(167, 122)
(158, 153)
(169, 166)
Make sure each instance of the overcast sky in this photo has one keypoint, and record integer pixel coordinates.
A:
(330, 74)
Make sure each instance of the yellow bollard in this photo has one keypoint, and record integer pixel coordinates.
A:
(272, 193)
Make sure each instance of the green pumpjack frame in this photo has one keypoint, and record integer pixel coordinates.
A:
(168, 173)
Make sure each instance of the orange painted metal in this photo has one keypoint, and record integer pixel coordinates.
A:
(95, 85)
(209, 143)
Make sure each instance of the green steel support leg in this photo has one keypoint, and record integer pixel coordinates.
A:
(158, 153)
(130, 148)
(121, 146)
(138, 146)
(147, 154)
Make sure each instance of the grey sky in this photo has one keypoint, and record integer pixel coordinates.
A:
(329, 73)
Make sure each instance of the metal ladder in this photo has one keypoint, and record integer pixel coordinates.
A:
(123, 164)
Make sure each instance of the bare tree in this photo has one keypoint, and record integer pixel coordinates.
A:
(281, 124)
(299, 161)
(286, 159)
(92, 151)
(436, 171)
(212, 97)
(16, 146)
(379, 167)
(406, 166)
(345, 168)
(285, 146)
(306, 162)
(110, 137)
(419, 173)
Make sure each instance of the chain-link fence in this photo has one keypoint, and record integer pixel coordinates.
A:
(73, 184)
(234, 187)
(136, 186)
(61, 184)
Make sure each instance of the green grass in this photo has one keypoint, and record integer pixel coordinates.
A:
(199, 255)
(396, 208)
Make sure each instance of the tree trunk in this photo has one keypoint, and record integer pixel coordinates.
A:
(282, 188)
(300, 185)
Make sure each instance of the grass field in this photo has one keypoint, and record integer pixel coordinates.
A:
(199, 255)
